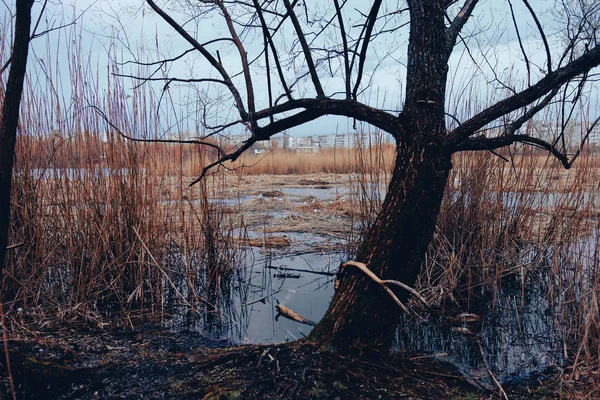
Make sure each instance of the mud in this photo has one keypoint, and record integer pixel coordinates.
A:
(159, 364)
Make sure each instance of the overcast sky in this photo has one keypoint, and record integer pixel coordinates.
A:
(110, 32)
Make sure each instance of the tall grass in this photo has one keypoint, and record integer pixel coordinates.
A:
(377, 158)
(108, 231)
(521, 227)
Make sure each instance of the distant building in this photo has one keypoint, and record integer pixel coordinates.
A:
(284, 141)
(574, 133)
(314, 143)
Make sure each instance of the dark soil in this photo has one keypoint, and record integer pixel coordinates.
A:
(159, 364)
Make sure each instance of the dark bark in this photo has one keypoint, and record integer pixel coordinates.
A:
(10, 116)
(361, 313)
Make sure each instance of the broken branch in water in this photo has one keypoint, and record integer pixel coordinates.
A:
(290, 314)
(308, 271)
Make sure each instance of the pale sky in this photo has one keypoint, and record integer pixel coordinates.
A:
(127, 29)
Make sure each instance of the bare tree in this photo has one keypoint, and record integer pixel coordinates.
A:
(10, 114)
(318, 60)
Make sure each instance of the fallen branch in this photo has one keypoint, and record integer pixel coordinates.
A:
(293, 315)
(384, 283)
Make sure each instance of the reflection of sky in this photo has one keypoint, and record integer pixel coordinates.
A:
(130, 30)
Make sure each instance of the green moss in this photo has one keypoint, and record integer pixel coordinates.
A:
(468, 396)
(339, 386)
(232, 395)
(545, 391)
(319, 393)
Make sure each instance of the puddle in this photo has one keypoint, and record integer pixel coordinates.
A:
(320, 194)
(250, 314)
(517, 338)
(306, 293)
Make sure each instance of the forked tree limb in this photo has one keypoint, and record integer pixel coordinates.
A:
(457, 24)
(485, 143)
(554, 79)
(384, 284)
(209, 57)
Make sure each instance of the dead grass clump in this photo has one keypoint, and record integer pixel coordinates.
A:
(270, 241)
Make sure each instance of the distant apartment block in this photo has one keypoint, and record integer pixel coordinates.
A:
(314, 143)
(574, 133)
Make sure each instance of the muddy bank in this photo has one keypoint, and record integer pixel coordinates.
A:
(159, 364)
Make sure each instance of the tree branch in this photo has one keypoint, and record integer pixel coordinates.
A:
(313, 109)
(243, 57)
(520, 41)
(133, 139)
(371, 19)
(305, 49)
(267, 34)
(485, 143)
(216, 64)
(457, 24)
(338, 11)
(346, 108)
(542, 34)
(518, 123)
(551, 81)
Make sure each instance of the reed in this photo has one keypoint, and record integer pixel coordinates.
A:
(521, 227)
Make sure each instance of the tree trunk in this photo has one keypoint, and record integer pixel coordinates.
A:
(361, 313)
(10, 116)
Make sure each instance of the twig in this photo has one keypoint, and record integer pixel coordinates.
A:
(489, 371)
(291, 314)
(15, 246)
(308, 271)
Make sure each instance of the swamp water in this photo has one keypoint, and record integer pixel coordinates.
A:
(518, 333)
(518, 337)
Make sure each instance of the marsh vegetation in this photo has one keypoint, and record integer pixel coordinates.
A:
(133, 216)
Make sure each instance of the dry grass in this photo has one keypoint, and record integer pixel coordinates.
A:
(338, 161)
(529, 227)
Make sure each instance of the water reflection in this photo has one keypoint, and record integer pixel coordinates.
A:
(518, 337)
(248, 314)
